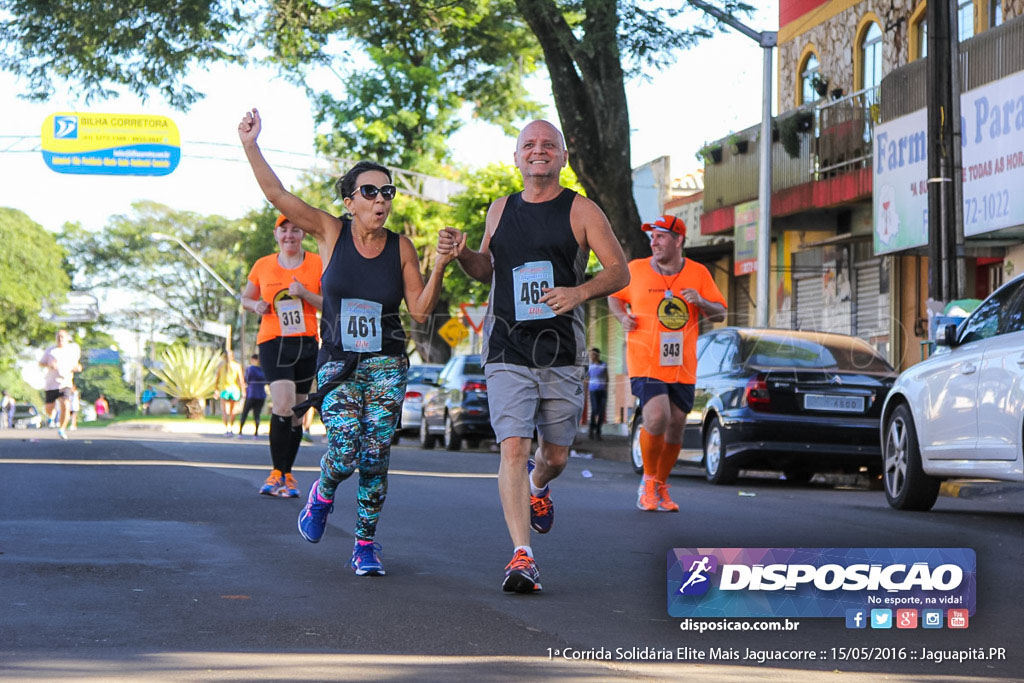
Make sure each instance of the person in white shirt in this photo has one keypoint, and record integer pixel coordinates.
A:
(61, 362)
(6, 411)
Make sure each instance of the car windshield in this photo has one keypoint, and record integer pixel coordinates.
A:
(830, 352)
(419, 373)
(472, 368)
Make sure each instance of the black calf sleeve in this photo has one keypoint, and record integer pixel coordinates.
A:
(280, 442)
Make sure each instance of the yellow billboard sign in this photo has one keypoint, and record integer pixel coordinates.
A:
(110, 144)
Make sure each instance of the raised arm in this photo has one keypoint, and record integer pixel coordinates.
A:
(322, 226)
(422, 299)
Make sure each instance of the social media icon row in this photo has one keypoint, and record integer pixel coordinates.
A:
(905, 618)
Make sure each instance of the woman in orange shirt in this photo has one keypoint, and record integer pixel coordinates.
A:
(284, 288)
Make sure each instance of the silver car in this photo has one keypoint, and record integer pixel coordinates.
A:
(415, 390)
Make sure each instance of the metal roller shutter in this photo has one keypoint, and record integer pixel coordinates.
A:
(872, 314)
(810, 302)
(743, 309)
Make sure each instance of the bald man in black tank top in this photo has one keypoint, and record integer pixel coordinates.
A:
(534, 253)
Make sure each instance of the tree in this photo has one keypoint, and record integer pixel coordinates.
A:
(124, 256)
(30, 276)
(590, 47)
(189, 373)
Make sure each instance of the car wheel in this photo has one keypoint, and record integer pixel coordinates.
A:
(452, 441)
(717, 469)
(427, 440)
(636, 456)
(798, 475)
(907, 487)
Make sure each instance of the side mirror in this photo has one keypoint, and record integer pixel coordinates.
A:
(945, 335)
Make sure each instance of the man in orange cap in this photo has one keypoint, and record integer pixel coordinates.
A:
(659, 311)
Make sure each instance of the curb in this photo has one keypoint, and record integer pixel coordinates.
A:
(977, 488)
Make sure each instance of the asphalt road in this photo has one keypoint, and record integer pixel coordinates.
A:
(132, 555)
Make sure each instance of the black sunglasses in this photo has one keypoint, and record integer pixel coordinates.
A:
(370, 191)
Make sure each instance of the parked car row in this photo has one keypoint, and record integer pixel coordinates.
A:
(805, 402)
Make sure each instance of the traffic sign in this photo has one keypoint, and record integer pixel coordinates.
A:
(453, 332)
(474, 315)
(216, 329)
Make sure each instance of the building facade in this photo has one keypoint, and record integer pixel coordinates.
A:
(827, 270)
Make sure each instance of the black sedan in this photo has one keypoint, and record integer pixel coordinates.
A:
(456, 408)
(797, 401)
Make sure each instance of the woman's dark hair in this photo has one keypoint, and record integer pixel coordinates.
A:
(346, 185)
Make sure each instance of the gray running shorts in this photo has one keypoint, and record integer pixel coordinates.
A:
(521, 398)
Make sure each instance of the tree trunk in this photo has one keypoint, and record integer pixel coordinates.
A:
(590, 95)
(194, 409)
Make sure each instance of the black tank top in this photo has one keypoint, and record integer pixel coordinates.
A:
(532, 248)
(361, 300)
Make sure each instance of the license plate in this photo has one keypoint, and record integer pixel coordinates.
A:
(833, 403)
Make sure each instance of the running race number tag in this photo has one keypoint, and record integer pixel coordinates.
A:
(361, 325)
(671, 349)
(293, 320)
(528, 281)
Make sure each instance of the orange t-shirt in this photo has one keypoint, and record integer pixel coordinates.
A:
(273, 282)
(664, 344)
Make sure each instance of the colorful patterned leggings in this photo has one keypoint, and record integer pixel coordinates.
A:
(360, 416)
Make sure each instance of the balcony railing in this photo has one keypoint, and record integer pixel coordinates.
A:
(839, 139)
(844, 133)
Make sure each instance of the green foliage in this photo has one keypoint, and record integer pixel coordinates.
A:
(124, 254)
(135, 44)
(189, 373)
(791, 127)
(16, 386)
(30, 274)
(96, 379)
(425, 61)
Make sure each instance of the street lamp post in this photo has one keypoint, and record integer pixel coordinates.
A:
(162, 237)
(767, 40)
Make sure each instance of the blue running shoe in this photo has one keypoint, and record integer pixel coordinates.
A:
(366, 560)
(313, 518)
(542, 509)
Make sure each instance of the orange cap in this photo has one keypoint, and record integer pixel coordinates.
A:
(280, 219)
(667, 223)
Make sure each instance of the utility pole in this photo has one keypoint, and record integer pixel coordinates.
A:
(767, 40)
(945, 189)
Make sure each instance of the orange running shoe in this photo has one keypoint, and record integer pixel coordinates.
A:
(521, 574)
(665, 503)
(647, 495)
(273, 484)
(290, 488)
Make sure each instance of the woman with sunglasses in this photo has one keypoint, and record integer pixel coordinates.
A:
(362, 365)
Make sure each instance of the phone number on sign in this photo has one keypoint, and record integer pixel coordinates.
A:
(987, 207)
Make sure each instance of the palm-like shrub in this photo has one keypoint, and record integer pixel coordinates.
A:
(189, 374)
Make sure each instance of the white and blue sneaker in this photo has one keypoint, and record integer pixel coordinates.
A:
(366, 560)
